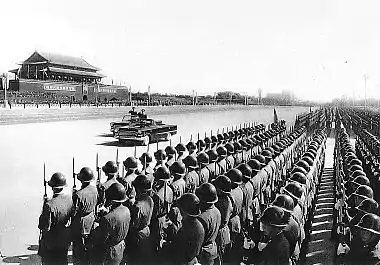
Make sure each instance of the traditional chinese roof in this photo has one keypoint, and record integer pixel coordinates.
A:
(75, 72)
(57, 59)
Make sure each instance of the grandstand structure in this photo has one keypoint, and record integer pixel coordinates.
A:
(58, 77)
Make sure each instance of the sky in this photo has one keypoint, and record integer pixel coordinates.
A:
(318, 49)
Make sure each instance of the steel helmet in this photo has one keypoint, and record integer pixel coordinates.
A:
(245, 169)
(180, 147)
(222, 183)
(308, 160)
(189, 204)
(178, 168)
(214, 139)
(285, 202)
(191, 146)
(201, 143)
(203, 158)
(130, 162)
(162, 173)
(222, 151)
(207, 193)
(220, 138)
(302, 163)
(276, 149)
(226, 136)
(212, 155)
(274, 216)
(160, 155)
(356, 161)
(190, 162)
(230, 148)
(294, 190)
(57, 180)
(370, 222)
(299, 169)
(170, 150)
(261, 159)
(116, 193)
(142, 182)
(368, 206)
(361, 180)
(364, 191)
(357, 173)
(110, 167)
(146, 157)
(309, 154)
(235, 176)
(299, 177)
(85, 175)
(237, 147)
(231, 135)
(267, 154)
(207, 140)
(244, 144)
(254, 165)
(355, 167)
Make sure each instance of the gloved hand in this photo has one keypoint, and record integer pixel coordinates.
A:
(342, 249)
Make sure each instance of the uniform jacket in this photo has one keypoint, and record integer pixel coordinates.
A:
(210, 219)
(102, 189)
(225, 208)
(247, 208)
(141, 214)
(212, 168)
(56, 214)
(236, 197)
(230, 162)
(276, 252)
(178, 187)
(192, 181)
(170, 162)
(127, 180)
(204, 175)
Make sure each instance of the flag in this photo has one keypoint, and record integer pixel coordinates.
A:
(275, 117)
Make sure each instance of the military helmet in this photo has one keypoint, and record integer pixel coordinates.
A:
(214, 139)
(254, 165)
(190, 162)
(370, 222)
(180, 147)
(130, 162)
(110, 167)
(230, 148)
(207, 193)
(294, 190)
(57, 180)
(220, 137)
(191, 146)
(201, 144)
(222, 151)
(245, 169)
(267, 154)
(207, 140)
(237, 147)
(299, 169)
(308, 160)
(261, 159)
(147, 157)
(357, 173)
(368, 206)
(285, 202)
(355, 167)
(160, 155)
(203, 158)
(299, 177)
(178, 168)
(162, 173)
(274, 216)
(142, 182)
(189, 204)
(356, 161)
(362, 180)
(235, 176)
(86, 174)
(231, 135)
(309, 154)
(170, 150)
(302, 163)
(364, 191)
(116, 193)
(276, 149)
(243, 144)
(222, 183)
(212, 155)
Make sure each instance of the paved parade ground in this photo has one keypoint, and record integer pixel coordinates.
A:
(82, 133)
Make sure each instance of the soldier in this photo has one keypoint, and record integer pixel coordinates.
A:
(178, 172)
(256, 182)
(275, 249)
(133, 112)
(214, 170)
(163, 199)
(238, 153)
(110, 169)
(181, 150)
(171, 153)
(186, 245)
(160, 157)
(53, 223)
(204, 171)
(201, 146)
(207, 141)
(192, 149)
(191, 177)
(230, 160)
(221, 162)
(225, 207)
(246, 215)
(147, 169)
(139, 248)
(85, 201)
(108, 243)
(236, 196)
(210, 218)
(130, 165)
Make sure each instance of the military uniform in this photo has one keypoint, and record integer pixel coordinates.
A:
(192, 181)
(210, 219)
(276, 252)
(53, 223)
(179, 188)
(108, 238)
(230, 160)
(213, 172)
(102, 189)
(225, 207)
(85, 201)
(204, 175)
(127, 180)
(170, 161)
(222, 165)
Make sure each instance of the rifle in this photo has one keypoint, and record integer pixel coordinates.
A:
(45, 193)
(74, 175)
(117, 159)
(98, 169)
(41, 247)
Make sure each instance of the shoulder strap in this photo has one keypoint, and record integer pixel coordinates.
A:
(234, 209)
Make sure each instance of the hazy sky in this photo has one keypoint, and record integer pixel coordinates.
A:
(318, 49)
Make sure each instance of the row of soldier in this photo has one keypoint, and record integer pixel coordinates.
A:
(180, 212)
(357, 221)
